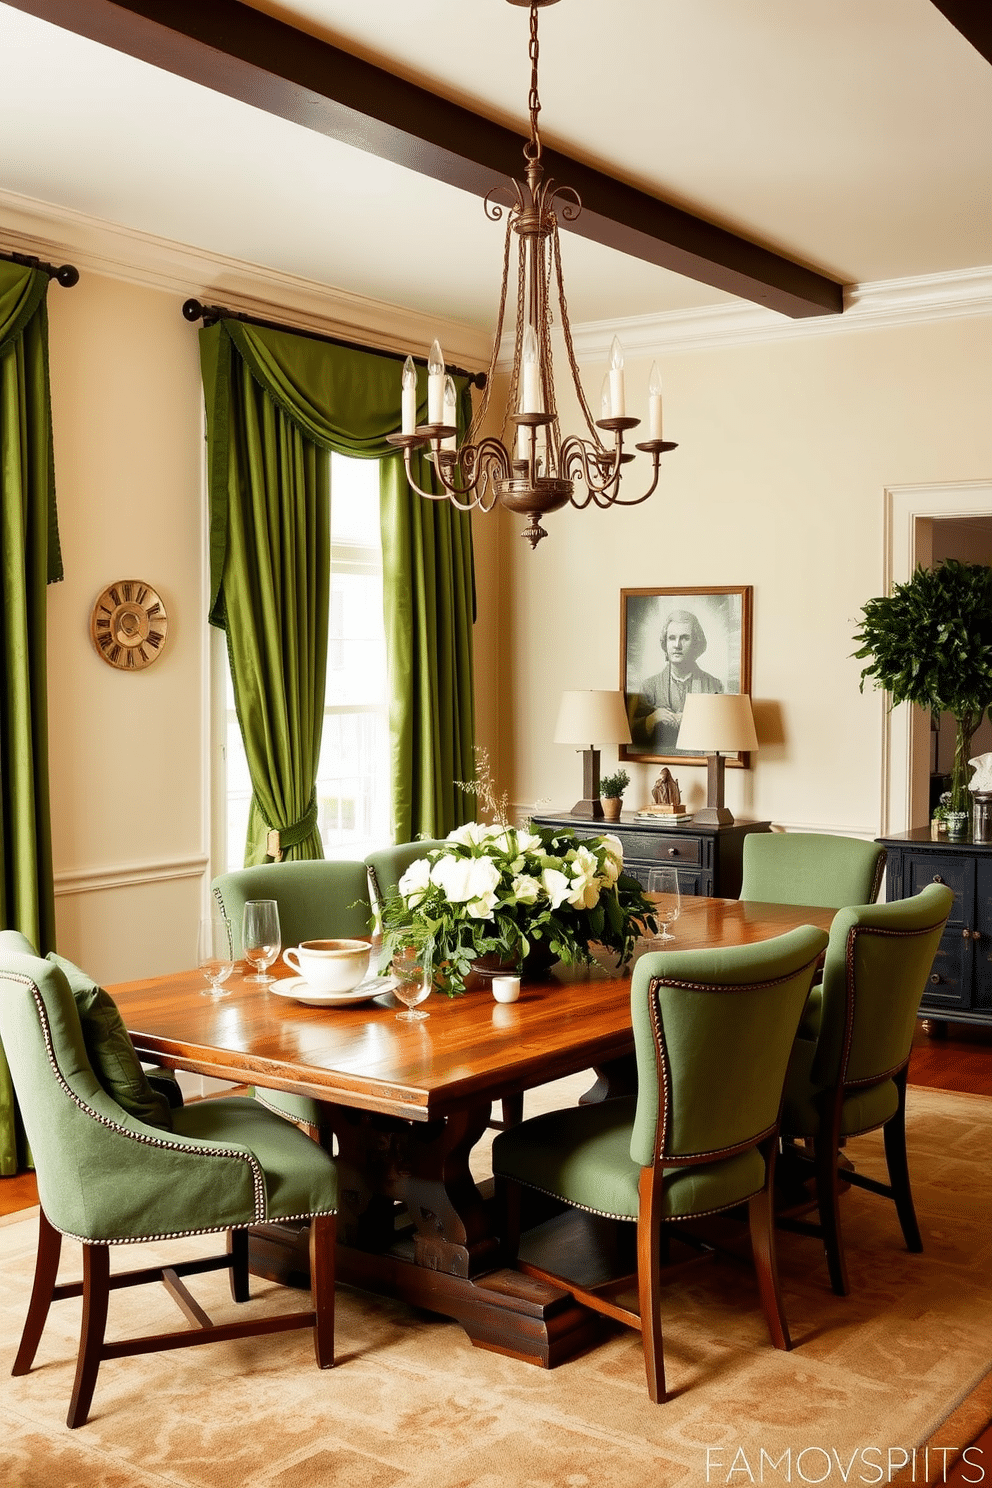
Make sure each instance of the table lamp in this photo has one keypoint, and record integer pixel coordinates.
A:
(716, 724)
(586, 716)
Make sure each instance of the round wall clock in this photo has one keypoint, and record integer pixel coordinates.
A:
(128, 625)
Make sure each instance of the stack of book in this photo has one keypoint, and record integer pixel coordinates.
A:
(662, 818)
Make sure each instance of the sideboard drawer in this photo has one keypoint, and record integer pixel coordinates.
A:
(666, 847)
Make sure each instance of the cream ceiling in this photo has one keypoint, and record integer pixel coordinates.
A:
(854, 136)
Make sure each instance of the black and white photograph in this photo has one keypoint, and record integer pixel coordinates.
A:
(673, 642)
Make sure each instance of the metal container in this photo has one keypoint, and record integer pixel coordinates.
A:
(981, 817)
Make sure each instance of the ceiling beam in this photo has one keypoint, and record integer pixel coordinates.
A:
(973, 18)
(231, 48)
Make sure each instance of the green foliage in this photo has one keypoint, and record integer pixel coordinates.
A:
(930, 642)
(615, 784)
(508, 892)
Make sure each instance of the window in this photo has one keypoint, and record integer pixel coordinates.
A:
(353, 797)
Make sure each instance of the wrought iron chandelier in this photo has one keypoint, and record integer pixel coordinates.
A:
(532, 470)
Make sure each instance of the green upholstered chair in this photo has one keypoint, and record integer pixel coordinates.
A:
(108, 1177)
(713, 1032)
(387, 865)
(849, 1065)
(318, 899)
(811, 868)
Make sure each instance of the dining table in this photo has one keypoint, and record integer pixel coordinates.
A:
(404, 1103)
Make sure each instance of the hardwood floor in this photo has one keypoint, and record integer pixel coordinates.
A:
(960, 1061)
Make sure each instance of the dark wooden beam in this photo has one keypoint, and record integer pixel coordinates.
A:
(973, 18)
(231, 48)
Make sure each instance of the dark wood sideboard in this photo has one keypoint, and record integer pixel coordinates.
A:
(708, 858)
(960, 985)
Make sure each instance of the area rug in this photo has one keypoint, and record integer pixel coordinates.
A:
(413, 1405)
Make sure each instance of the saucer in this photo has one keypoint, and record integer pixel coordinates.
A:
(298, 989)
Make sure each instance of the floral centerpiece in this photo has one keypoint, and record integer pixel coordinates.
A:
(512, 893)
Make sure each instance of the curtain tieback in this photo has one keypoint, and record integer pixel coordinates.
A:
(279, 838)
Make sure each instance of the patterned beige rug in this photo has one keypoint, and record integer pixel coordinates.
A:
(412, 1404)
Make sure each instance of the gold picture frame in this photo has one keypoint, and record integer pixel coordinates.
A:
(708, 632)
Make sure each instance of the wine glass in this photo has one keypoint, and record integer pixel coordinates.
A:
(261, 939)
(411, 988)
(215, 954)
(665, 882)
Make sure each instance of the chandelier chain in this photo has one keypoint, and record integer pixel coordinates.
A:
(532, 150)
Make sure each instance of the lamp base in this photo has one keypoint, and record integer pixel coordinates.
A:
(714, 816)
(588, 807)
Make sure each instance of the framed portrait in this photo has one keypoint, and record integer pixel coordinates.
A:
(676, 641)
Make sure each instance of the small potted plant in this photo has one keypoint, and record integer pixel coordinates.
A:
(611, 789)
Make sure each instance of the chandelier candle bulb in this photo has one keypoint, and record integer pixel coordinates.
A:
(409, 396)
(435, 385)
(654, 403)
(618, 402)
(532, 374)
(450, 413)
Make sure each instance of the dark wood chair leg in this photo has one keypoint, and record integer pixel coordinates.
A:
(649, 1283)
(237, 1249)
(513, 1109)
(761, 1218)
(96, 1294)
(894, 1136)
(825, 1153)
(46, 1270)
(323, 1240)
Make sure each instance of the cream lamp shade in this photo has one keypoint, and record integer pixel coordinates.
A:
(717, 724)
(592, 717)
(588, 718)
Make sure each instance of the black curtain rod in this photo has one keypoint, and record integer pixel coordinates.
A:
(66, 274)
(193, 310)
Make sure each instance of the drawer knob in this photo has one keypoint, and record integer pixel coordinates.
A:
(673, 852)
(935, 980)
(967, 934)
(937, 878)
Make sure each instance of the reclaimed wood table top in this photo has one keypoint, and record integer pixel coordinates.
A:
(469, 1050)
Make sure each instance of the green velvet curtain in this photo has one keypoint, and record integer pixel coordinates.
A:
(276, 404)
(31, 559)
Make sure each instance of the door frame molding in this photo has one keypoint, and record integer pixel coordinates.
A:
(908, 542)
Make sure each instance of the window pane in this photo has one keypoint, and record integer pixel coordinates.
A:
(355, 502)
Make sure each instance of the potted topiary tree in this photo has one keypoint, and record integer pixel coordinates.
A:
(611, 789)
(929, 642)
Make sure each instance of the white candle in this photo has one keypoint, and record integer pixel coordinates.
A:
(523, 442)
(654, 403)
(618, 403)
(450, 413)
(409, 396)
(435, 385)
(531, 400)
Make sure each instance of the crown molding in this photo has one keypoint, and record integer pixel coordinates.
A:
(883, 303)
(107, 248)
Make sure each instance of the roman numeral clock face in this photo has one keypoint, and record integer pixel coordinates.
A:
(129, 625)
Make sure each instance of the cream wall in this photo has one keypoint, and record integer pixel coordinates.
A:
(785, 453)
(128, 763)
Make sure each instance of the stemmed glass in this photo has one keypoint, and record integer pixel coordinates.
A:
(215, 954)
(665, 881)
(261, 939)
(413, 985)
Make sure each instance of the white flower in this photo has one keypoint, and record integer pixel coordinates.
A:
(612, 858)
(584, 888)
(415, 882)
(526, 888)
(472, 834)
(528, 842)
(556, 885)
(466, 879)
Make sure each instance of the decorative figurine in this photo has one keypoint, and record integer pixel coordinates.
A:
(665, 792)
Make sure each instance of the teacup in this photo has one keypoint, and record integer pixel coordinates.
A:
(330, 965)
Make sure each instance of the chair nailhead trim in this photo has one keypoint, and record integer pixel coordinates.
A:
(632, 1218)
(258, 1176)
